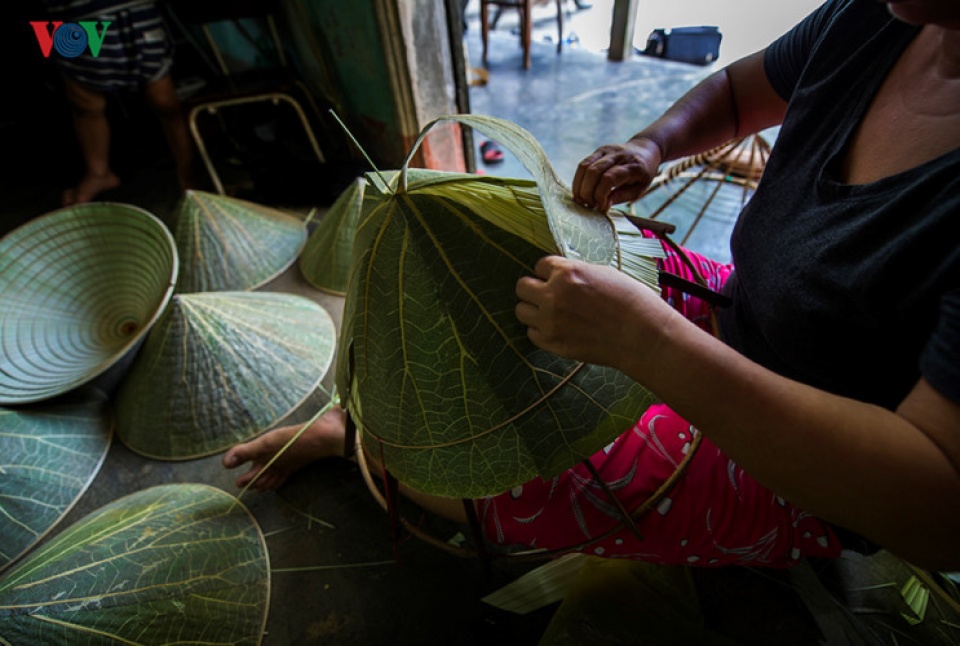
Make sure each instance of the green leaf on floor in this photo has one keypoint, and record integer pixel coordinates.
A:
(539, 587)
(617, 601)
(182, 563)
(917, 596)
(49, 455)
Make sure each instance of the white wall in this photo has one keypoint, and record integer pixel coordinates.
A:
(746, 25)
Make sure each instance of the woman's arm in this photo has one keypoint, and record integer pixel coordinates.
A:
(735, 102)
(892, 476)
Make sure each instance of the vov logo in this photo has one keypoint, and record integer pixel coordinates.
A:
(69, 39)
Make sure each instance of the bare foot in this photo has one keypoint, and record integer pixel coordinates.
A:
(89, 187)
(322, 439)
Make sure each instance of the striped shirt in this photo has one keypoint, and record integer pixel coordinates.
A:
(136, 47)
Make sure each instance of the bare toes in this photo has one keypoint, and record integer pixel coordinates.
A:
(234, 457)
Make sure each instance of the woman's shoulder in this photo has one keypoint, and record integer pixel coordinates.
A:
(825, 40)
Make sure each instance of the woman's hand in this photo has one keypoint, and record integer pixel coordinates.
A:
(616, 173)
(591, 313)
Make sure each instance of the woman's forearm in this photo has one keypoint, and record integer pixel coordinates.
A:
(734, 102)
(855, 464)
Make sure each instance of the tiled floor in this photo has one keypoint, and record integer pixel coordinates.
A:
(575, 101)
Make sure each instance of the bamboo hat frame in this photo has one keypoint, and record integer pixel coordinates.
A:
(737, 164)
(387, 499)
(80, 288)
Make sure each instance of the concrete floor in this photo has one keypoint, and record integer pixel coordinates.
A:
(572, 103)
(575, 101)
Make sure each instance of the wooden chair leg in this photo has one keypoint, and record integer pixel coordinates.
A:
(559, 26)
(497, 12)
(526, 29)
(484, 28)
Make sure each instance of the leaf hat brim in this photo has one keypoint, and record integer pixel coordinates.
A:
(49, 455)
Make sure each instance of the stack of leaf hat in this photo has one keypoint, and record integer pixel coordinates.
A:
(225, 363)
(80, 288)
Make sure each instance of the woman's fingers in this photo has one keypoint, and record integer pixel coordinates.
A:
(585, 180)
(535, 294)
(527, 313)
(597, 176)
(529, 289)
(622, 182)
(547, 302)
(614, 174)
(547, 265)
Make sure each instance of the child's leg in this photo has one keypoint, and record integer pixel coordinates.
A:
(325, 438)
(162, 96)
(93, 135)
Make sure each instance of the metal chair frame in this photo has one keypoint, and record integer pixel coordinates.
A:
(238, 98)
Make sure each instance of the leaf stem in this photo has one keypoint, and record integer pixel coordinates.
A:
(359, 147)
(313, 568)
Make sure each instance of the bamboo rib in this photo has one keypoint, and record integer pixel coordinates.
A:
(738, 162)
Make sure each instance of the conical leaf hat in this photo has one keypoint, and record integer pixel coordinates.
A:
(439, 375)
(325, 261)
(79, 287)
(219, 368)
(49, 455)
(227, 244)
(179, 563)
